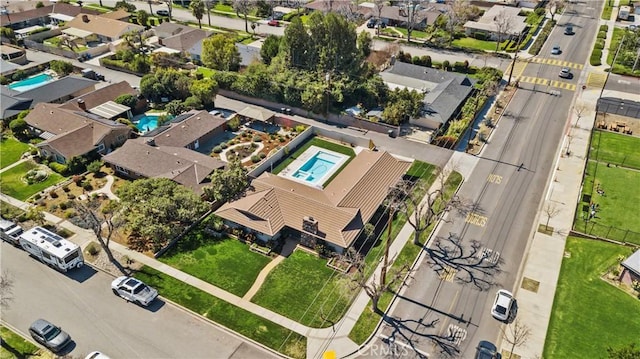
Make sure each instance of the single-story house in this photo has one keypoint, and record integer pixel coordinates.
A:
(182, 38)
(18, 17)
(11, 103)
(69, 133)
(631, 269)
(143, 158)
(399, 16)
(106, 29)
(444, 92)
(101, 102)
(488, 23)
(188, 130)
(14, 54)
(120, 15)
(333, 216)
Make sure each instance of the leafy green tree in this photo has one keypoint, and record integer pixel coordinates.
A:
(8, 33)
(143, 17)
(39, 4)
(205, 90)
(270, 48)
(77, 164)
(364, 44)
(158, 209)
(36, 214)
(197, 10)
(94, 167)
(62, 68)
(219, 52)
(19, 128)
(175, 107)
(127, 100)
(125, 5)
(227, 184)
(296, 43)
(193, 103)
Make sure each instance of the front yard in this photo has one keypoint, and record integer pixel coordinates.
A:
(226, 263)
(11, 150)
(304, 289)
(14, 185)
(589, 315)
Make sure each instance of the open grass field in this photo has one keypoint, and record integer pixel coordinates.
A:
(316, 141)
(226, 263)
(615, 148)
(246, 323)
(589, 315)
(12, 184)
(472, 43)
(304, 289)
(11, 150)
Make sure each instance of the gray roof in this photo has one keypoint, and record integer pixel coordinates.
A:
(60, 88)
(11, 103)
(444, 91)
(633, 262)
(248, 54)
(6, 66)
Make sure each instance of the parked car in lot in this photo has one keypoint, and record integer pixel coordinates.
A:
(371, 23)
(556, 50)
(162, 12)
(565, 73)
(133, 290)
(487, 350)
(49, 335)
(503, 305)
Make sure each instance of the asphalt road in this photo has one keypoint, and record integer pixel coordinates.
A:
(446, 307)
(82, 303)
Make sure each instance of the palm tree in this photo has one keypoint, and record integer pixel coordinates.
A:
(197, 10)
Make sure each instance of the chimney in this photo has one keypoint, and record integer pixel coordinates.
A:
(85, 18)
(151, 142)
(310, 224)
(82, 105)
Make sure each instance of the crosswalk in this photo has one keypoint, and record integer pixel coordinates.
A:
(556, 62)
(547, 82)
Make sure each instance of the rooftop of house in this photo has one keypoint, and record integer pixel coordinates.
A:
(17, 13)
(186, 128)
(103, 26)
(185, 39)
(101, 96)
(633, 263)
(488, 21)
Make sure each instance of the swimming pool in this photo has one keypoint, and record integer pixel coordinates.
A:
(31, 82)
(315, 166)
(149, 122)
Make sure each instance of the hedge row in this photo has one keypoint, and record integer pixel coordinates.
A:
(596, 57)
(542, 37)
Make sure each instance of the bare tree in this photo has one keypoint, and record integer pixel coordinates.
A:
(208, 4)
(504, 25)
(6, 289)
(579, 109)
(103, 221)
(169, 7)
(243, 7)
(516, 334)
(414, 16)
(378, 6)
(553, 6)
(375, 288)
(551, 211)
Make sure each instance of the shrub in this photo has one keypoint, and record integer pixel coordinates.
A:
(86, 185)
(602, 35)
(59, 168)
(95, 166)
(254, 145)
(257, 138)
(300, 128)
(71, 196)
(64, 206)
(604, 28)
(53, 194)
(69, 213)
(37, 196)
(93, 248)
(262, 155)
(224, 145)
(217, 149)
(281, 139)
(445, 65)
(53, 207)
(599, 44)
(255, 158)
(596, 57)
(64, 233)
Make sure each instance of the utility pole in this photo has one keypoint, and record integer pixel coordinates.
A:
(515, 56)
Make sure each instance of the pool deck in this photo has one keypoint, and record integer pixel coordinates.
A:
(297, 163)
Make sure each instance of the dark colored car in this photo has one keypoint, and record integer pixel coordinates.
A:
(163, 12)
(568, 30)
(371, 23)
(49, 335)
(486, 350)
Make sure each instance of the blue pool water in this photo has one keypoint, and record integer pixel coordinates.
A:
(316, 167)
(31, 82)
(148, 122)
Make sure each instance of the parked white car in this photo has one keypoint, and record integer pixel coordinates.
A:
(503, 305)
(133, 290)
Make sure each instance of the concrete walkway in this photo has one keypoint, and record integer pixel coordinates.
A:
(15, 164)
(106, 189)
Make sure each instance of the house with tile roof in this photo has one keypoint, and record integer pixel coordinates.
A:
(69, 133)
(332, 216)
(444, 92)
(106, 95)
(106, 29)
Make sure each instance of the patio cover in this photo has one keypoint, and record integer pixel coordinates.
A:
(109, 109)
(260, 114)
(72, 31)
(61, 17)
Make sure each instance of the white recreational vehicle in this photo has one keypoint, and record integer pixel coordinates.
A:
(51, 249)
(9, 231)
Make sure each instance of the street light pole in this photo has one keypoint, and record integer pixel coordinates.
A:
(515, 56)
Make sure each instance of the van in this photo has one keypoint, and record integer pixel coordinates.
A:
(10, 231)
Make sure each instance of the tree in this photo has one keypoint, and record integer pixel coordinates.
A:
(175, 107)
(95, 166)
(205, 90)
(19, 128)
(243, 7)
(41, 4)
(143, 17)
(270, 48)
(364, 44)
(219, 52)
(6, 289)
(517, 334)
(197, 8)
(414, 16)
(36, 214)
(127, 100)
(229, 183)
(104, 220)
(551, 211)
(627, 352)
(553, 6)
(504, 25)
(296, 43)
(378, 6)
(158, 209)
(374, 288)
(208, 4)
(9, 34)
(62, 68)
(123, 4)
(579, 109)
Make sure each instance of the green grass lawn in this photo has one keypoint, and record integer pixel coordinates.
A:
(589, 314)
(11, 150)
(606, 12)
(615, 148)
(483, 45)
(369, 319)
(415, 34)
(316, 141)
(239, 320)
(226, 263)
(618, 33)
(12, 184)
(18, 343)
(304, 289)
(617, 208)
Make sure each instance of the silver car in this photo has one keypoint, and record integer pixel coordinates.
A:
(133, 290)
(49, 335)
(556, 50)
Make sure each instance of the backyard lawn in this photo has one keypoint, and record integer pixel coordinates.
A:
(315, 141)
(304, 289)
(615, 148)
(13, 186)
(11, 150)
(589, 314)
(226, 263)
(239, 320)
